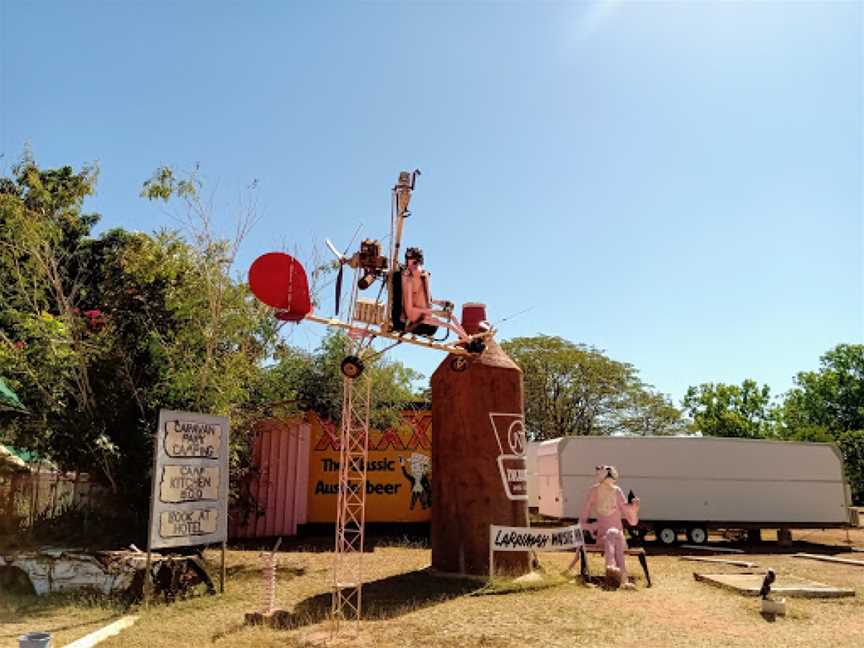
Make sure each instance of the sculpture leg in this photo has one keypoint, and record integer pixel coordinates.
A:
(613, 551)
(619, 555)
(450, 323)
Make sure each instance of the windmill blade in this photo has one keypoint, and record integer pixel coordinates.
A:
(339, 288)
(336, 253)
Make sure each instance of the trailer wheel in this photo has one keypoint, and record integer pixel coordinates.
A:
(666, 535)
(697, 535)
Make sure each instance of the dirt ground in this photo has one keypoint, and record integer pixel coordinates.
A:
(405, 606)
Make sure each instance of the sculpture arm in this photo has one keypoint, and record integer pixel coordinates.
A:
(408, 475)
(629, 512)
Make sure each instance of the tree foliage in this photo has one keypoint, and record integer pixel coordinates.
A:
(313, 381)
(96, 334)
(831, 398)
(572, 389)
(828, 405)
(851, 444)
(725, 410)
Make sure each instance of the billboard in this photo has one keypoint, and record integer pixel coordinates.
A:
(398, 474)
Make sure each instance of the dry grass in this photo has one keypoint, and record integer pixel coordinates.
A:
(67, 617)
(407, 607)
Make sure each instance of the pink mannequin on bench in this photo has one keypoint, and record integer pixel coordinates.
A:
(610, 507)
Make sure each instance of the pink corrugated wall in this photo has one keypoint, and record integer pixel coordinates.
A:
(281, 453)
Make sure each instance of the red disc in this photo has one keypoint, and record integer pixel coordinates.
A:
(279, 280)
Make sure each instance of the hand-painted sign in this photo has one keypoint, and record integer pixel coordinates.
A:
(503, 538)
(509, 431)
(190, 480)
(186, 483)
(191, 439)
(399, 470)
(196, 522)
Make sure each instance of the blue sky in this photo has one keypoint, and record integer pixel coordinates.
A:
(679, 184)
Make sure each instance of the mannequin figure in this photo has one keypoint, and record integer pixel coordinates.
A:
(417, 299)
(610, 507)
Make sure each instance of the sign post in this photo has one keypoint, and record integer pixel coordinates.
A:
(189, 498)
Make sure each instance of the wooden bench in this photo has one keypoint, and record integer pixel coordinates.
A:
(584, 550)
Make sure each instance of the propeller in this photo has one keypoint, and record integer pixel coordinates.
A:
(342, 259)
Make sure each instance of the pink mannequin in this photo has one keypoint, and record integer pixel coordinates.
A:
(610, 507)
(416, 297)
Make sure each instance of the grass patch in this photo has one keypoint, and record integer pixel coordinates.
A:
(407, 606)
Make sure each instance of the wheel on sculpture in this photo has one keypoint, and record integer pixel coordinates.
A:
(697, 535)
(666, 535)
(459, 364)
(352, 367)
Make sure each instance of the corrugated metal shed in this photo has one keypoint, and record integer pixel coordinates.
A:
(281, 454)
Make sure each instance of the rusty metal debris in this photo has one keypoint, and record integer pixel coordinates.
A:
(106, 572)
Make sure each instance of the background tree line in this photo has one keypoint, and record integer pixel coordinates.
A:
(571, 389)
(97, 333)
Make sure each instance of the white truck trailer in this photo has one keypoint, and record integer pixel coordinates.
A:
(693, 484)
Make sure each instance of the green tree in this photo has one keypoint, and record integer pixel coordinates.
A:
(572, 389)
(831, 398)
(649, 413)
(725, 410)
(851, 444)
(47, 344)
(96, 334)
(828, 405)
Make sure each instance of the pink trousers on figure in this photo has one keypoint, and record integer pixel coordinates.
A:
(613, 549)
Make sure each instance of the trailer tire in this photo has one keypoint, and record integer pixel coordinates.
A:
(697, 535)
(666, 535)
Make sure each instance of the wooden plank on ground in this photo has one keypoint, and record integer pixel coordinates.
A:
(102, 634)
(750, 584)
(722, 561)
(714, 549)
(834, 559)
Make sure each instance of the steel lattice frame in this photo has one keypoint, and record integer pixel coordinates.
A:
(354, 443)
(351, 500)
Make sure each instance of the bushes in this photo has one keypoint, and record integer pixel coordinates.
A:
(852, 447)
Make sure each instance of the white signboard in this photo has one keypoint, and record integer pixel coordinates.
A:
(189, 501)
(502, 538)
(509, 431)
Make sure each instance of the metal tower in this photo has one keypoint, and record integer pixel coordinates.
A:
(351, 499)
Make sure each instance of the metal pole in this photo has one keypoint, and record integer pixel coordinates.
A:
(222, 570)
(148, 584)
